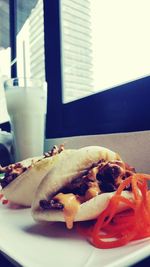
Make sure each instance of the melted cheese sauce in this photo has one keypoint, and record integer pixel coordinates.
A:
(93, 191)
(72, 203)
(71, 206)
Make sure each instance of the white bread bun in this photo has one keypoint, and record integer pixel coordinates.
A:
(66, 169)
(22, 189)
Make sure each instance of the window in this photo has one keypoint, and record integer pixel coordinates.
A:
(103, 44)
(76, 49)
(122, 108)
(4, 74)
(79, 102)
(120, 41)
(4, 57)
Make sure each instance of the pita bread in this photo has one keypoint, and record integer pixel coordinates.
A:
(66, 170)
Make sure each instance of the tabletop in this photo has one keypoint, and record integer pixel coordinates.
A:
(6, 263)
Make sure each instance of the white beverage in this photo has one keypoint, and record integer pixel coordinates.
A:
(27, 109)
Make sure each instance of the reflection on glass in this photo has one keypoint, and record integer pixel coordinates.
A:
(77, 65)
(104, 43)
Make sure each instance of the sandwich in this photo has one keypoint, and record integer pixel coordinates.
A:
(21, 179)
(79, 186)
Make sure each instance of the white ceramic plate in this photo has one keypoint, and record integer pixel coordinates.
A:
(35, 245)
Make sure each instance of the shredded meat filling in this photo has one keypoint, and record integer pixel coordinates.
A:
(100, 178)
(11, 172)
(51, 204)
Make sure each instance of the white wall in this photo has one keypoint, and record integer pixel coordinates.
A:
(134, 147)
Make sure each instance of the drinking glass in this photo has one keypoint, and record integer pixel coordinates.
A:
(26, 103)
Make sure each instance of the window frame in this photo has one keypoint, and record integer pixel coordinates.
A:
(13, 36)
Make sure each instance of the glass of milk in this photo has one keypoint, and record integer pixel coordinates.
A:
(26, 104)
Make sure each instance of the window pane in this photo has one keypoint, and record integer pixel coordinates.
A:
(4, 56)
(104, 43)
(4, 38)
(30, 39)
(120, 41)
(77, 65)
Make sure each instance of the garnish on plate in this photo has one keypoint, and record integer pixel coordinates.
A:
(125, 226)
